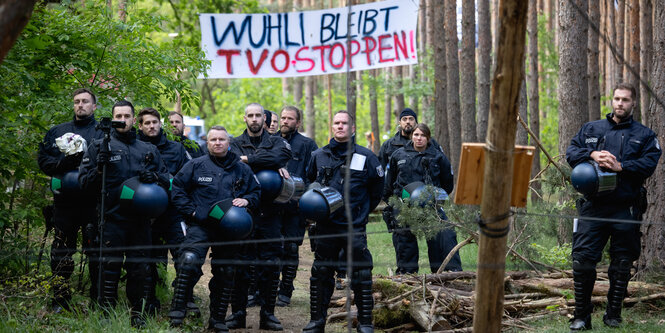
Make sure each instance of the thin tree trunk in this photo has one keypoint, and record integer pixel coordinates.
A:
(452, 91)
(602, 47)
(310, 115)
(374, 112)
(612, 59)
(440, 69)
(653, 244)
(620, 24)
(634, 51)
(413, 78)
(468, 72)
(298, 84)
(573, 83)
(122, 10)
(646, 46)
(387, 101)
(399, 95)
(351, 93)
(592, 63)
(532, 86)
(424, 18)
(484, 66)
(522, 137)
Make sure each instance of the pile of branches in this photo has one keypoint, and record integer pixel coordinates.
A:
(445, 302)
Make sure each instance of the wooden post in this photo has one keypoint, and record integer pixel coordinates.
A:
(500, 142)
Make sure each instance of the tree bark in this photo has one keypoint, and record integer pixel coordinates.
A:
(15, 15)
(310, 114)
(521, 136)
(484, 66)
(388, 104)
(374, 112)
(424, 24)
(634, 51)
(532, 86)
(351, 93)
(298, 84)
(496, 196)
(601, 46)
(440, 69)
(612, 59)
(646, 46)
(620, 24)
(452, 91)
(468, 72)
(653, 239)
(122, 10)
(399, 95)
(573, 83)
(592, 62)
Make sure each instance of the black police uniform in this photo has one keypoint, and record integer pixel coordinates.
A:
(387, 149)
(293, 227)
(636, 148)
(366, 184)
(128, 158)
(196, 188)
(265, 152)
(432, 167)
(166, 229)
(70, 213)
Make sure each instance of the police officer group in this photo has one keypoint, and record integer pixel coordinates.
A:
(212, 192)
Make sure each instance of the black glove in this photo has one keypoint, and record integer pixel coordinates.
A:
(103, 157)
(389, 218)
(147, 177)
(70, 162)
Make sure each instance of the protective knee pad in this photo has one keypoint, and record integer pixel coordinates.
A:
(291, 250)
(187, 261)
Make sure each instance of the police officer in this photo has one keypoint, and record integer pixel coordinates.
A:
(71, 213)
(126, 157)
(272, 122)
(261, 151)
(166, 229)
(293, 228)
(622, 145)
(196, 188)
(421, 160)
(327, 167)
(177, 121)
(407, 122)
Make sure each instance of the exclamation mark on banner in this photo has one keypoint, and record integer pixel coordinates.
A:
(413, 49)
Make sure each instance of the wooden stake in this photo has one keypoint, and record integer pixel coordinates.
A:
(495, 206)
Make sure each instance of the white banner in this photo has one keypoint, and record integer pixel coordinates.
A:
(382, 34)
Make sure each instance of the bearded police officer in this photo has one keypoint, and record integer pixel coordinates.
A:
(126, 157)
(261, 151)
(327, 167)
(293, 227)
(73, 211)
(196, 189)
(623, 146)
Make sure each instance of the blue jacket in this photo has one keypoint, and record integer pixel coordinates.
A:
(302, 148)
(174, 154)
(366, 180)
(129, 157)
(408, 165)
(206, 180)
(391, 145)
(271, 154)
(634, 145)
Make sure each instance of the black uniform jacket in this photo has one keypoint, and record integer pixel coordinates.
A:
(173, 153)
(302, 148)
(366, 180)
(50, 156)
(128, 158)
(206, 180)
(634, 145)
(407, 165)
(272, 153)
(391, 145)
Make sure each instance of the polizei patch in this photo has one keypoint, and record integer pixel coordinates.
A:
(205, 179)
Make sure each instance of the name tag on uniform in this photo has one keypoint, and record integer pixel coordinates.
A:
(358, 162)
(575, 222)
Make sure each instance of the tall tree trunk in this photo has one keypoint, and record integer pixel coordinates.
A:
(468, 72)
(310, 114)
(374, 112)
(634, 51)
(440, 74)
(494, 21)
(653, 242)
(399, 94)
(522, 137)
(620, 25)
(298, 84)
(413, 78)
(592, 62)
(388, 104)
(424, 18)
(646, 46)
(351, 93)
(612, 59)
(573, 83)
(484, 66)
(15, 15)
(532, 86)
(452, 91)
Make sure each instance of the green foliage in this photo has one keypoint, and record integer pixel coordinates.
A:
(557, 256)
(548, 59)
(424, 222)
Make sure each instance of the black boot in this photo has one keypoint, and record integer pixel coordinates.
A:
(268, 292)
(253, 291)
(584, 278)
(362, 292)
(286, 285)
(221, 289)
(237, 320)
(317, 300)
(181, 289)
(619, 274)
(61, 295)
(108, 295)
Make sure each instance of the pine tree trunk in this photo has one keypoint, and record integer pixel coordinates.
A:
(612, 60)
(646, 46)
(374, 113)
(484, 66)
(620, 25)
(310, 115)
(653, 235)
(440, 74)
(601, 46)
(522, 137)
(634, 51)
(399, 95)
(592, 62)
(426, 100)
(351, 93)
(532, 92)
(387, 101)
(452, 91)
(573, 83)
(16, 14)
(298, 84)
(468, 72)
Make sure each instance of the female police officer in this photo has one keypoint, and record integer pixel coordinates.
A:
(421, 161)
